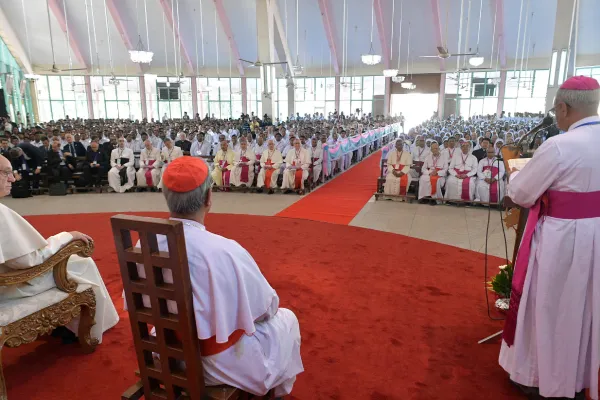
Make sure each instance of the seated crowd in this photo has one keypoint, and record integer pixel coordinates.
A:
(128, 155)
(454, 160)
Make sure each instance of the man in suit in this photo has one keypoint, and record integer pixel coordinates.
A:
(481, 153)
(27, 161)
(108, 147)
(57, 166)
(95, 165)
(4, 147)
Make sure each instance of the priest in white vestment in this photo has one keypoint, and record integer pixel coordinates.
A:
(150, 166)
(460, 184)
(316, 159)
(202, 146)
(450, 150)
(551, 339)
(242, 173)
(270, 162)
(121, 176)
(297, 163)
(169, 153)
(490, 178)
(433, 174)
(22, 247)
(223, 164)
(233, 302)
(398, 178)
(419, 154)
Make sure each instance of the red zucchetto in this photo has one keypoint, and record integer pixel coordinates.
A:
(580, 83)
(185, 174)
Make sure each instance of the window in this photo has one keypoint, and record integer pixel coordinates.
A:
(61, 96)
(219, 97)
(362, 95)
(253, 96)
(173, 97)
(476, 92)
(116, 98)
(592, 72)
(526, 91)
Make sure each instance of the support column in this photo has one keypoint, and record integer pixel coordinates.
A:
(442, 96)
(291, 95)
(501, 93)
(244, 96)
(34, 101)
(387, 97)
(88, 95)
(142, 84)
(565, 29)
(266, 52)
(337, 93)
(194, 96)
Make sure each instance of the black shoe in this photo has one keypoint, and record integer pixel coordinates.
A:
(271, 191)
(259, 190)
(288, 191)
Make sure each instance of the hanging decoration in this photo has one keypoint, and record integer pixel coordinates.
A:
(297, 68)
(140, 55)
(371, 58)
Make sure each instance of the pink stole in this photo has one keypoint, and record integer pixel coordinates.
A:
(148, 173)
(493, 186)
(226, 173)
(298, 177)
(245, 168)
(555, 204)
(466, 193)
(433, 180)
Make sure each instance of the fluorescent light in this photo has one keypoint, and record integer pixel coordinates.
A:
(562, 71)
(390, 73)
(552, 80)
(476, 61)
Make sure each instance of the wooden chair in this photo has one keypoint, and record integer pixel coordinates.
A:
(179, 373)
(23, 320)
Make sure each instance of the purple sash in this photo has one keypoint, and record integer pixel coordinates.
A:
(493, 186)
(466, 193)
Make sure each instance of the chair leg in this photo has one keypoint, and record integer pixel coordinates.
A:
(3, 395)
(86, 321)
(135, 392)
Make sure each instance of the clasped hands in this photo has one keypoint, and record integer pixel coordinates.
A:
(398, 174)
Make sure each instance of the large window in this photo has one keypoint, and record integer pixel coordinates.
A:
(118, 98)
(174, 97)
(592, 72)
(253, 96)
(220, 97)
(315, 95)
(362, 95)
(476, 92)
(280, 95)
(61, 96)
(526, 91)
(17, 95)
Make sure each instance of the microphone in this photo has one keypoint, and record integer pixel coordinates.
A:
(546, 123)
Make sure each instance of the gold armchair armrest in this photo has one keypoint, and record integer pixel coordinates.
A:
(57, 263)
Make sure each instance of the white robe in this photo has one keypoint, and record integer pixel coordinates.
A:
(433, 164)
(453, 184)
(392, 183)
(201, 148)
(236, 172)
(419, 154)
(557, 338)
(317, 161)
(156, 170)
(22, 247)
(293, 161)
(114, 180)
(483, 188)
(230, 293)
(277, 160)
(168, 156)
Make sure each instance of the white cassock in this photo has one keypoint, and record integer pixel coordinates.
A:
(22, 247)
(490, 169)
(397, 161)
(230, 294)
(201, 148)
(450, 154)
(419, 154)
(268, 178)
(317, 161)
(431, 164)
(461, 189)
(150, 168)
(118, 157)
(297, 163)
(168, 156)
(557, 338)
(243, 168)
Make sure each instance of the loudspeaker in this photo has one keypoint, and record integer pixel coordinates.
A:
(20, 189)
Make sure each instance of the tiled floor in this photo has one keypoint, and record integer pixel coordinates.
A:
(457, 226)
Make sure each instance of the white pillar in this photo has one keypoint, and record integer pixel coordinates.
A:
(387, 97)
(442, 96)
(142, 84)
(88, 95)
(501, 93)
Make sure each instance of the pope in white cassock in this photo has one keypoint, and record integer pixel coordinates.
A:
(460, 184)
(150, 166)
(22, 247)
(231, 295)
(243, 161)
(490, 178)
(433, 174)
(121, 176)
(297, 163)
(552, 331)
(270, 162)
(398, 178)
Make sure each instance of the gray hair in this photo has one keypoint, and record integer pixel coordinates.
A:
(188, 203)
(581, 100)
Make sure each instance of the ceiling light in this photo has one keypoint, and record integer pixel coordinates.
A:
(408, 85)
(140, 56)
(476, 61)
(390, 73)
(398, 79)
(370, 59)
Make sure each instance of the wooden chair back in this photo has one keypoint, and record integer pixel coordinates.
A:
(179, 374)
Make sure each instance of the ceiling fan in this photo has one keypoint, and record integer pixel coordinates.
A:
(55, 69)
(259, 64)
(443, 54)
(116, 81)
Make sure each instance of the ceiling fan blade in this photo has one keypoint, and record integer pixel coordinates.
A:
(249, 62)
(462, 54)
(441, 50)
(73, 69)
(429, 56)
(275, 63)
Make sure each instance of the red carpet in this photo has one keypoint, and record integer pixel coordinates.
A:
(382, 316)
(341, 198)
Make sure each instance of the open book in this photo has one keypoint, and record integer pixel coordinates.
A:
(518, 163)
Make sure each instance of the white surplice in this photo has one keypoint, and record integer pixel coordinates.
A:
(482, 192)
(317, 161)
(167, 157)
(114, 179)
(275, 158)
(22, 247)
(236, 172)
(431, 164)
(295, 159)
(462, 162)
(394, 160)
(231, 293)
(557, 338)
(156, 171)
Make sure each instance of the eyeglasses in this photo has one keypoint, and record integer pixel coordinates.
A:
(6, 174)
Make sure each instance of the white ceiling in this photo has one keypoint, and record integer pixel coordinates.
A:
(313, 49)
